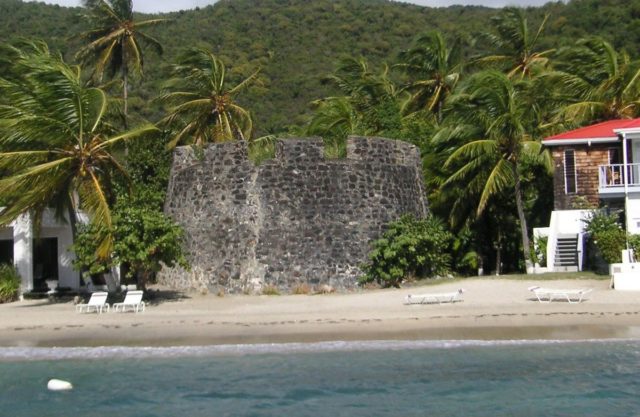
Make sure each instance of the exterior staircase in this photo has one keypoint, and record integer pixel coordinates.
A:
(566, 259)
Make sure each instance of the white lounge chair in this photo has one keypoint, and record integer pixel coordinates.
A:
(444, 297)
(133, 299)
(97, 302)
(572, 296)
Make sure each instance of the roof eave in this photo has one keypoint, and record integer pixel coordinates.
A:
(628, 130)
(590, 141)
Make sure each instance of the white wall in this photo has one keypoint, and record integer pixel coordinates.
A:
(633, 213)
(22, 234)
(569, 221)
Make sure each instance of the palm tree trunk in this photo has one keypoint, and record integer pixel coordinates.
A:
(499, 252)
(125, 88)
(526, 246)
(73, 224)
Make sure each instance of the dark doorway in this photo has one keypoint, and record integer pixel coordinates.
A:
(45, 261)
(6, 251)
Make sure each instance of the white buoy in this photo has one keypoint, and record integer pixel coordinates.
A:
(59, 385)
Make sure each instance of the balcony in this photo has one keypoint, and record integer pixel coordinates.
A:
(611, 179)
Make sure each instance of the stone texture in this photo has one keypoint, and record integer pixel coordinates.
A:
(298, 218)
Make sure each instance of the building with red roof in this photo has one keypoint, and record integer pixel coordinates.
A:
(600, 164)
(588, 163)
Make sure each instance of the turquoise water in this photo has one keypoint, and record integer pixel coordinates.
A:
(332, 379)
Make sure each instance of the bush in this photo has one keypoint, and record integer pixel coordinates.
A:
(409, 247)
(9, 283)
(540, 250)
(270, 290)
(608, 236)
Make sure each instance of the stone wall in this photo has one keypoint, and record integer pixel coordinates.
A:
(298, 218)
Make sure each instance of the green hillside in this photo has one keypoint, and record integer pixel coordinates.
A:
(296, 42)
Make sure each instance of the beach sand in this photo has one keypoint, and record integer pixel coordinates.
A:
(492, 309)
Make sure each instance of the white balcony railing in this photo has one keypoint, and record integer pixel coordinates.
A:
(612, 176)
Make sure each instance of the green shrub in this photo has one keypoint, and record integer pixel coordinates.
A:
(608, 236)
(409, 247)
(9, 283)
(634, 243)
(540, 250)
(270, 290)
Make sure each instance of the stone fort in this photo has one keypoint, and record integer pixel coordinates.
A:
(298, 218)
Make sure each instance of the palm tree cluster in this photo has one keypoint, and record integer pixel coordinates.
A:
(57, 145)
(479, 121)
(477, 118)
(62, 142)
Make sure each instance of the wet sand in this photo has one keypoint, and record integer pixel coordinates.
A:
(492, 309)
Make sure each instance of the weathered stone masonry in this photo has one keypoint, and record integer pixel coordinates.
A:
(298, 218)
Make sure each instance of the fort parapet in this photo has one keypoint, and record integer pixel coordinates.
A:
(298, 218)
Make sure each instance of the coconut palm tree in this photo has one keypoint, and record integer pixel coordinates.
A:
(115, 42)
(55, 144)
(516, 45)
(494, 112)
(202, 107)
(434, 70)
(369, 104)
(598, 82)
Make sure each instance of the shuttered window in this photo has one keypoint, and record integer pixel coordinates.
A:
(570, 177)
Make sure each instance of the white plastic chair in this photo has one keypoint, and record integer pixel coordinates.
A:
(97, 302)
(133, 299)
(573, 296)
(443, 297)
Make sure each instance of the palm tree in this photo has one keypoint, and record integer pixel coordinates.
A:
(369, 104)
(495, 113)
(434, 70)
(202, 104)
(55, 145)
(114, 42)
(598, 82)
(516, 45)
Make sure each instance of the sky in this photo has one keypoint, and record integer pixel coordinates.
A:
(153, 6)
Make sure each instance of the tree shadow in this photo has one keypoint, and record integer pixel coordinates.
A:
(157, 297)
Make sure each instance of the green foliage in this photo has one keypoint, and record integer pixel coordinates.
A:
(262, 149)
(84, 248)
(608, 235)
(202, 102)
(297, 43)
(270, 290)
(540, 250)
(634, 243)
(55, 140)
(410, 247)
(9, 283)
(144, 239)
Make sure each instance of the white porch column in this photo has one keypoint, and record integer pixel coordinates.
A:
(625, 176)
(23, 250)
(67, 276)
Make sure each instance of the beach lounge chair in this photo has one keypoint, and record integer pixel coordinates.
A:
(133, 299)
(572, 296)
(444, 297)
(97, 302)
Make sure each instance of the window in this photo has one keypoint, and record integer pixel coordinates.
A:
(614, 156)
(614, 171)
(570, 177)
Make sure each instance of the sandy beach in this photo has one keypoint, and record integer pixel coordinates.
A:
(492, 309)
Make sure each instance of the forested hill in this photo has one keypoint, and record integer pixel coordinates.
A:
(296, 42)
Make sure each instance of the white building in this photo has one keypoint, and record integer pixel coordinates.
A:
(40, 257)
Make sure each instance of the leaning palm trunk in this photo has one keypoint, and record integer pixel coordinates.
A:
(125, 93)
(523, 222)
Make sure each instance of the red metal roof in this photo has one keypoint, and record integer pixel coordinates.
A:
(602, 131)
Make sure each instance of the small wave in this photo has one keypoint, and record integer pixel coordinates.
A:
(104, 352)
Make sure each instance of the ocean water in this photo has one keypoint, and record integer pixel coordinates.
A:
(424, 378)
